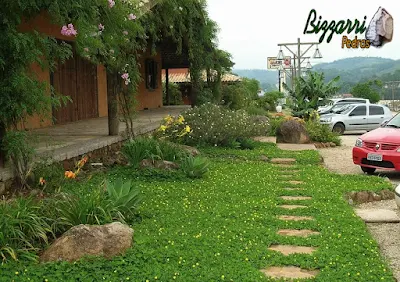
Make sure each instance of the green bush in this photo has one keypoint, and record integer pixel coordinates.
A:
(321, 132)
(22, 229)
(269, 101)
(274, 124)
(150, 148)
(255, 110)
(205, 96)
(175, 95)
(218, 126)
(124, 197)
(194, 167)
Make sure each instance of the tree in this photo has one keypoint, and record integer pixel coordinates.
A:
(240, 95)
(269, 100)
(368, 90)
(308, 92)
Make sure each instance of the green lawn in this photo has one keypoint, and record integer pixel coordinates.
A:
(219, 228)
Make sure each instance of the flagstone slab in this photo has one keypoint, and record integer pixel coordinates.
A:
(292, 207)
(378, 215)
(289, 249)
(295, 198)
(295, 182)
(295, 218)
(289, 272)
(292, 189)
(283, 161)
(296, 147)
(297, 233)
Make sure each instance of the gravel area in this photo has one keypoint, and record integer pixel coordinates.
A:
(339, 160)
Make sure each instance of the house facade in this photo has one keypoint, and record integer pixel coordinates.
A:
(86, 83)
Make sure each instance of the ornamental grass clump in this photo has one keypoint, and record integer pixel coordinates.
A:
(218, 126)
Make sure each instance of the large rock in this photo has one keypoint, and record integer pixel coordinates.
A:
(293, 132)
(190, 150)
(159, 164)
(86, 240)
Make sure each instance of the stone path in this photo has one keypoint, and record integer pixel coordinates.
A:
(292, 272)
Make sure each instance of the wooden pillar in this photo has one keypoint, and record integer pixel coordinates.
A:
(112, 102)
(167, 85)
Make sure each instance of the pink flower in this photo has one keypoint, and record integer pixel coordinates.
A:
(101, 27)
(86, 49)
(69, 30)
(111, 3)
(132, 17)
(125, 76)
(125, 32)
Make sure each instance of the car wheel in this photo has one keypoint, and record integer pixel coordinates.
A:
(338, 128)
(368, 170)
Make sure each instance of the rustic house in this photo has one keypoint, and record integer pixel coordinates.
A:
(181, 76)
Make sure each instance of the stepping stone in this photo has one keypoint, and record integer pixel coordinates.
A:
(295, 198)
(293, 189)
(296, 147)
(294, 182)
(297, 233)
(292, 207)
(295, 218)
(378, 215)
(289, 272)
(289, 250)
(283, 161)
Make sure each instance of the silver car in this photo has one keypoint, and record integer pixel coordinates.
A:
(354, 117)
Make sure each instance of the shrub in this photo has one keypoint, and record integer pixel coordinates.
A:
(150, 148)
(255, 110)
(217, 125)
(205, 96)
(274, 123)
(194, 167)
(321, 132)
(175, 95)
(23, 229)
(124, 197)
(19, 149)
(173, 128)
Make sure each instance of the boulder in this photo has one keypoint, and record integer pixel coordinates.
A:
(293, 132)
(160, 164)
(191, 150)
(90, 240)
(260, 119)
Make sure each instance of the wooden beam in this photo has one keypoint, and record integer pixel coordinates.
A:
(167, 85)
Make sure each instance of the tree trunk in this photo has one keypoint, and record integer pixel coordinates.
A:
(112, 101)
(2, 152)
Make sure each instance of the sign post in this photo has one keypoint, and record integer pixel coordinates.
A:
(274, 63)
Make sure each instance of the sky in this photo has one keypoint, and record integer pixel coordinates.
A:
(250, 30)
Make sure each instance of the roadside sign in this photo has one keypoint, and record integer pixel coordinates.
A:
(274, 63)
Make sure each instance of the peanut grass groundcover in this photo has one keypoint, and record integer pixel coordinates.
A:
(220, 228)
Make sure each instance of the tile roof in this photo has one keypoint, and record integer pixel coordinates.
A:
(184, 77)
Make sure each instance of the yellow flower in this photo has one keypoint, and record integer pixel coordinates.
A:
(169, 119)
(42, 181)
(163, 127)
(187, 128)
(181, 119)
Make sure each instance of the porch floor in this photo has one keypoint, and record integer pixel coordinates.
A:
(61, 142)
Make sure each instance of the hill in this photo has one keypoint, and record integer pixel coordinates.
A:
(350, 70)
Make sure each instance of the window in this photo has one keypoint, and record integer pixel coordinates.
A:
(376, 111)
(359, 111)
(151, 74)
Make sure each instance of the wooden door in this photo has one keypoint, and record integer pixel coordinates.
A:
(76, 78)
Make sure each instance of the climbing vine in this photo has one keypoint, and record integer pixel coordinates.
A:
(113, 33)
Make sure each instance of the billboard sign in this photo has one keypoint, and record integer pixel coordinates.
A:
(274, 63)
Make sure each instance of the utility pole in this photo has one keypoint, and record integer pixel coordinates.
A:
(299, 56)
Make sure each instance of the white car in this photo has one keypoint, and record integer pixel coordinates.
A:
(333, 102)
(354, 117)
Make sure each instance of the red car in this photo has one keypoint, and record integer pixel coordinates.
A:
(379, 148)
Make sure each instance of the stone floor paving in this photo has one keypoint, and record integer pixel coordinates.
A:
(297, 233)
(295, 198)
(293, 189)
(295, 218)
(289, 272)
(290, 249)
(378, 215)
(295, 182)
(292, 207)
(283, 161)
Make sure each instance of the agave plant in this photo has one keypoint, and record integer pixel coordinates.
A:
(194, 167)
(124, 197)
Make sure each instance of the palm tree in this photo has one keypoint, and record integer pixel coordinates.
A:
(309, 91)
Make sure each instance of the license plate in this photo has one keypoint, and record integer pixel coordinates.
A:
(374, 157)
